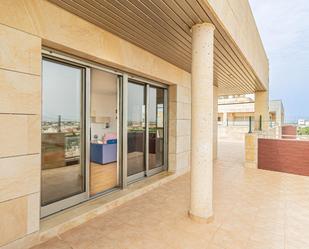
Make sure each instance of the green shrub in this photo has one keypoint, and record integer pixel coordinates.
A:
(303, 131)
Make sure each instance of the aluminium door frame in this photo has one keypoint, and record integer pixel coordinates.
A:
(146, 173)
(147, 130)
(165, 135)
(119, 116)
(81, 197)
(138, 176)
(59, 57)
(123, 79)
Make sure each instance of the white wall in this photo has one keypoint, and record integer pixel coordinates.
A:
(239, 107)
(276, 106)
(103, 101)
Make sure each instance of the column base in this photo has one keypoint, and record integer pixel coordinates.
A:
(201, 219)
(251, 165)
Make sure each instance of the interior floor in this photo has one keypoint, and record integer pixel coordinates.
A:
(102, 177)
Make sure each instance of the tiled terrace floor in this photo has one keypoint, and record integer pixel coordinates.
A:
(254, 209)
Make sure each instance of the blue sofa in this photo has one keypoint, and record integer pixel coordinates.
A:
(103, 153)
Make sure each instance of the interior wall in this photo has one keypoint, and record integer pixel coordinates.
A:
(103, 102)
(105, 106)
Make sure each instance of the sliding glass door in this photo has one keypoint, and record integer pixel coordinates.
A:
(63, 163)
(156, 127)
(146, 129)
(136, 128)
(104, 139)
(100, 130)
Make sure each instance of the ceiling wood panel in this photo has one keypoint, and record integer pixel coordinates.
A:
(162, 27)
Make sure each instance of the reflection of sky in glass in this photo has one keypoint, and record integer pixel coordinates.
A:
(152, 105)
(156, 106)
(136, 106)
(61, 91)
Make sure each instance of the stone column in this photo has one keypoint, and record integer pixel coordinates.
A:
(202, 91)
(215, 106)
(251, 147)
(261, 109)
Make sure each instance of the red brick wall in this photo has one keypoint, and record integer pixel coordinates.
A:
(290, 130)
(290, 156)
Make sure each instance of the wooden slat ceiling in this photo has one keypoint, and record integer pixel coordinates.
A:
(162, 27)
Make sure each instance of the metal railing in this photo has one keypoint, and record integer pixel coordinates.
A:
(275, 131)
(296, 137)
(264, 129)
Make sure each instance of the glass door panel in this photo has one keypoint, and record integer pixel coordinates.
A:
(136, 129)
(156, 127)
(104, 132)
(63, 168)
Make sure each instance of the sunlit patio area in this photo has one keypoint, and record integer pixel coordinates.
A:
(254, 209)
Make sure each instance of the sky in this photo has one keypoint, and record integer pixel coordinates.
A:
(284, 28)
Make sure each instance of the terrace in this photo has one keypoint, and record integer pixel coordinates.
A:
(253, 209)
(111, 70)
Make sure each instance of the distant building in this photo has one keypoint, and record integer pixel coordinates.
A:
(236, 110)
(301, 122)
(276, 112)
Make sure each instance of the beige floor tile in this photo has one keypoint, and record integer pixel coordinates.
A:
(254, 209)
(82, 237)
(55, 243)
(254, 244)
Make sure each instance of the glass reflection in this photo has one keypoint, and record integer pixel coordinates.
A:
(62, 168)
(136, 128)
(156, 127)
